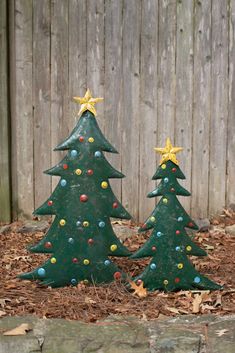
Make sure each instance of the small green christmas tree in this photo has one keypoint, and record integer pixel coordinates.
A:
(169, 245)
(81, 238)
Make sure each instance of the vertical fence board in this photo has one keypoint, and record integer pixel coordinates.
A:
(22, 121)
(41, 99)
(5, 206)
(219, 106)
(113, 83)
(130, 122)
(201, 114)
(231, 121)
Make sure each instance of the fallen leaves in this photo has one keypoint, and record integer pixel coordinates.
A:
(18, 331)
(139, 290)
(221, 332)
(2, 313)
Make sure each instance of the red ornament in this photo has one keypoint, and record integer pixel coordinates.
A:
(138, 282)
(65, 166)
(177, 232)
(48, 245)
(173, 170)
(83, 198)
(115, 205)
(172, 190)
(177, 280)
(117, 275)
(154, 248)
(90, 241)
(90, 172)
(75, 260)
(191, 224)
(81, 138)
(50, 203)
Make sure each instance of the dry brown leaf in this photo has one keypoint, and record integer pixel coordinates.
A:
(221, 332)
(139, 290)
(173, 310)
(196, 303)
(2, 313)
(218, 301)
(18, 331)
(89, 300)
(3, 301)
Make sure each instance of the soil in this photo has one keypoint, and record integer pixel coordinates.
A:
(90, 303)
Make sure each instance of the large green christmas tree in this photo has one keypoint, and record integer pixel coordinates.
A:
(169, 245)
(81, 238)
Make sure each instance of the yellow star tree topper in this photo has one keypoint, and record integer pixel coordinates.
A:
(87, 102)
(168, 152)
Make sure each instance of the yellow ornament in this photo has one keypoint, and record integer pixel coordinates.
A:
(53, 260)
(104, 184)
(168, 152)
(85, 224)
(188, 248)
(78, 171)
(180, 266)
(91, 139)
(62, 222)
(165, 200)
(85, 281)
(113, 247)
(165, 282)
(86, 262)
(152, 219)
(87, 102)
(163, 166)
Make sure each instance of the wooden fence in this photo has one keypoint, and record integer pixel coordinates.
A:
(164, 67)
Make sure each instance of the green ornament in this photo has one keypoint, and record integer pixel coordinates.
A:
(81, 238)
(169, 245)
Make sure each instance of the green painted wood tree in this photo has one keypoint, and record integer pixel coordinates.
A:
(81, 238)
(169, 245)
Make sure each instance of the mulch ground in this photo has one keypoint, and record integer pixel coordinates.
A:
(91, 303)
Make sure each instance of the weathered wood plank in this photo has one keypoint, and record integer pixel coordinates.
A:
(95, 53)
(41, 99)
(59, 77)
(148, 105)
(5, 205)
(113, 104)
(219, 106)
(131, 112)
(77, 56)
(184, 91)
(231, 120)
(22, 120)
(201, 113)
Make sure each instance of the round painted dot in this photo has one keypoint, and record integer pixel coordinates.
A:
(41, 272)
(91, 139)
(85, 224)
(177, 232)
(65, 166)
(62, 222)
(188, 248)
(63, 182)
(107, 262)
(101, 224)
(152, 219)
(48, 245)
(139, 281)
(78, 171)
(191, 224)
(97, 154)
(154, 248)
(164, 200)
(154, 192)
(166, 180)
(163, 166)
(177, 280)
(81, 138)
(153, 266)
(173, 170)
(180, 219)
(75, 260)
(172, 190)
(83, 198)
(71, 240)
(104, 184)
(85, 281)
(115, 205)
(197, 280)
(180, 266)
(90, 241)
(113, 247)
(86, 262)
(165, 282)
(73, 153)
(78, 223)
(117, 275)
(159, 234)
(73, 282)
(53, 260)
(177, 248)
(90, 172)
(50, 203)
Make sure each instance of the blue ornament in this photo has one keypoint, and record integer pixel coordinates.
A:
(98, 154)
(41, 272)
(177, 248)
(166, 180)
(180, 219)
(101, 224)
(73, 282)
(73, 153)
(63, 182)
(153, 266)
(78, 223)
(154, 192)
(107, 262)
(197, 280)
(71, 240)
(159, 234)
